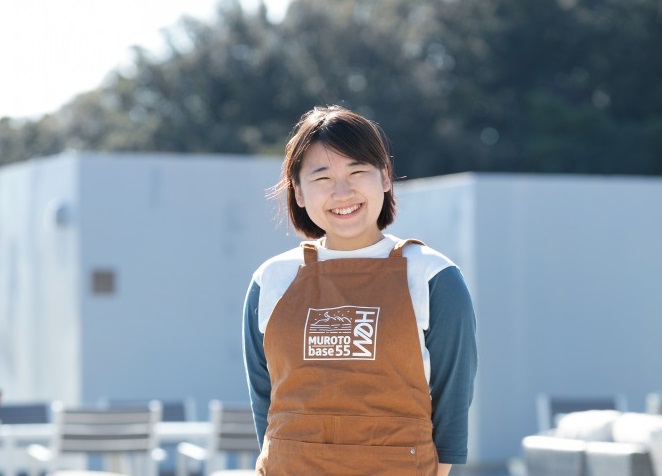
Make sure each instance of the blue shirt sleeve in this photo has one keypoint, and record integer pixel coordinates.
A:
(255, 362)
(451, 342)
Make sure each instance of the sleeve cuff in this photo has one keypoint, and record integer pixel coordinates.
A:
(451, 458)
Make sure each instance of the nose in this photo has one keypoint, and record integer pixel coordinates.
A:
(342, 189)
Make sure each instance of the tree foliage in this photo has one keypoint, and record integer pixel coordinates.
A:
(563, 86)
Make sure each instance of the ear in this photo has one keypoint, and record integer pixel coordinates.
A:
(298, 195)
(386, 182)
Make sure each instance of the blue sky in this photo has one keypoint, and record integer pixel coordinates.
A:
(51, 50)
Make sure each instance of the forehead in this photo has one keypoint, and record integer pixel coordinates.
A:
(321, 155)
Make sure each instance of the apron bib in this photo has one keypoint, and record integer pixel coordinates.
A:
(349, 394)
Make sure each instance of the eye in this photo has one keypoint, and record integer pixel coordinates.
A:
(360, 171)
(320, 178)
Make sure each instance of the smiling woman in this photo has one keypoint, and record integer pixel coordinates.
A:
(52, 51)
(359, 347)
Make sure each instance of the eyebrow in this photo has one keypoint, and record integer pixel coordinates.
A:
(319, 169)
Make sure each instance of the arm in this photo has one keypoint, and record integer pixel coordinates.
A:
(451, 342)
(257, 374)
(443, 469)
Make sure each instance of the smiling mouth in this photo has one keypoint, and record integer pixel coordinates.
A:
(346, 211)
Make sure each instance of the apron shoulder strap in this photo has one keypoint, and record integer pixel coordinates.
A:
(309, 252)
(397, 249)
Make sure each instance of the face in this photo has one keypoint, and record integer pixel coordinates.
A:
(341, 196)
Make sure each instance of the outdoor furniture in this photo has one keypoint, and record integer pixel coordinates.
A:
(171, 409)
(233, 431)
(623, 459)
(654, 403)
(550, 456)
(597, 443)
(14, 439)
(24, 413)
(125, 436)
(234, 472)
(86, 473)
(28, 418)
(552, 407)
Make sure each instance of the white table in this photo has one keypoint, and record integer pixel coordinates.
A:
(86, 473)
(12, 437)
(177, 431)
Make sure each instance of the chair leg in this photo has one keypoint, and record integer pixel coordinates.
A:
(182, 465)
(114, 463)
(245, 461)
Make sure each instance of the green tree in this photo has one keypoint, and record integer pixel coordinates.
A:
(564, 86)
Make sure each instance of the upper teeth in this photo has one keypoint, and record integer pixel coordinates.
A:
(345, 211)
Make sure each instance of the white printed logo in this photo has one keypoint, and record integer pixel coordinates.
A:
(341, 333)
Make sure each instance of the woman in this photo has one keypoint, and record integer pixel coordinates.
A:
(359, 347)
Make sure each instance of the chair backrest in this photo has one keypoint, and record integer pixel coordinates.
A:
(108, 430)
(171, 410)
(551, 408)
(654, 403)
(233, 427)
(24, 413)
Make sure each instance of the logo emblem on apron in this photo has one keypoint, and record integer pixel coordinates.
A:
(341, 333)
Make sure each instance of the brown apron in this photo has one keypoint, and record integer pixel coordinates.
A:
(349, 394)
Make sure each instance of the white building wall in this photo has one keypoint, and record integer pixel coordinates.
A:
(39, 309)
(565, 276)
(183, 236)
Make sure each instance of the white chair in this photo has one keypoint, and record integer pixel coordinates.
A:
(126, 437)
(86, 473)
(551, 408)
(233, 431)
(172, 410)
(654, 403)
(550, 456)
(234, 472)
(16, 415)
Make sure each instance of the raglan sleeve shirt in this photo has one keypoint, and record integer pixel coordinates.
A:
(259, 381)
(450, 340)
